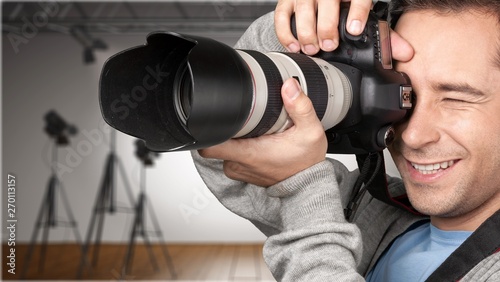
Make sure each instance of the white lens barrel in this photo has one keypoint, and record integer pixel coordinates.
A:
(337, 90)
(339, 94)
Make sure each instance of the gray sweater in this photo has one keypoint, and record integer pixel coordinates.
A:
(308, 237)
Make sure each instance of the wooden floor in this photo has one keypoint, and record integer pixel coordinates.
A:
(190, 263)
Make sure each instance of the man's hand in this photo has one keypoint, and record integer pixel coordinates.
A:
(269, 159)
(317, 26)
(317, 23)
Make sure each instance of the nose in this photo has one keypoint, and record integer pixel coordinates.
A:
(421, 128)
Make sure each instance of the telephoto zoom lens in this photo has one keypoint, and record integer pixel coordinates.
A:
(180, 92)
(327, 87)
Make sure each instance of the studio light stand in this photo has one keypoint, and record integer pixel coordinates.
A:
(105, 203)
(139, 224)
(59, 131)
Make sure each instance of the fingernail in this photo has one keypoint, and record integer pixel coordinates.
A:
(292, 89)
(293, 47)
(329, 45)
(310, 49)
(355, 27)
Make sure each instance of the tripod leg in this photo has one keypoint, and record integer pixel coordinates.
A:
(125, 181)
(34, 235)
(99, 209)
(69, 212)
(108, 186)
(150, 252)
(168, 259)
(51, 221)
(166, 255)
(152, 258)
(131, 245)
(43, 250)
(97, 243)
(84, 260)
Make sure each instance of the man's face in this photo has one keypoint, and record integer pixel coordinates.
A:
(448, 151)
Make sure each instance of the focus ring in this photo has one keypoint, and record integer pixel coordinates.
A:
(317, 89)
(274, 102)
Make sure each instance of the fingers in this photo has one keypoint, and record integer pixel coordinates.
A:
(305, 17)
(231, 150)
(358, 14)
(282, 16)
(313, 33)
(327, 31)
(317, 23)
(401, 49)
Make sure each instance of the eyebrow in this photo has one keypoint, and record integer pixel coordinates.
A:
(464, 88)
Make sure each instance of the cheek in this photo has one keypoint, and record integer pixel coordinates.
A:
(463, 129)
(486, 135)
(479, 134)
(471, 128)
(477, 129)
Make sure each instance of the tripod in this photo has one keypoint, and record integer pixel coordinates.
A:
(104, 203)
(47, 214)
(139, 224)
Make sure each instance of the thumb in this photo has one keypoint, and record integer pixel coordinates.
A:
(298, 106)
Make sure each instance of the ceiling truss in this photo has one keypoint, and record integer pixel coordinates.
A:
(132, 17)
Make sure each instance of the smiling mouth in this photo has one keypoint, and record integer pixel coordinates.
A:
(432, 168)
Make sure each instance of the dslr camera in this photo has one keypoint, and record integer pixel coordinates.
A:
(182, 92)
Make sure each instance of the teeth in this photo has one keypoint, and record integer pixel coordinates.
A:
(432, 168)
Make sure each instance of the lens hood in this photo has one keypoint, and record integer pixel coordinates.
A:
(138, 87)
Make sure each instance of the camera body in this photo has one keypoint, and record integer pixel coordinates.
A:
(381, 96)
(181, 92)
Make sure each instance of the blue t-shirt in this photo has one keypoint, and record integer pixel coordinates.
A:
(416, 254)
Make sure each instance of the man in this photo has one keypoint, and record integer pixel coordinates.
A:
(446, 153)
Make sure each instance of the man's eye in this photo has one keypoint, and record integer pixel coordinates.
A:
(453, 100)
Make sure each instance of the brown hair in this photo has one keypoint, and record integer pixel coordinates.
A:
(491, 7)
(397, 7)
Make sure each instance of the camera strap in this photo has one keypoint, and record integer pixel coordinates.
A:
(484, 242)
(372, 178)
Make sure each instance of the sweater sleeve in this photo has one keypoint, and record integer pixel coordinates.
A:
(246, 200)
(261, 36)
(308, 237)
(316, 242)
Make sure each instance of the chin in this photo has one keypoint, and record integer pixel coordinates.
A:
(431, 200)
(438, 206)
